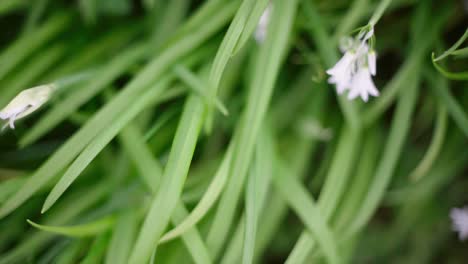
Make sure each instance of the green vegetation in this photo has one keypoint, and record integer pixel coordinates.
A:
(178, 132)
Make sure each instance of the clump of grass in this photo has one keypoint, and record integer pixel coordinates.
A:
(173, 135)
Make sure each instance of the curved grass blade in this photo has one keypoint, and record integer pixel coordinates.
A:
(461, 53)
(81, 200)
(450, 75)
(251, 24)
(452, 49)
(88, 229)
(441, 89)
(206, 202)
(225, 52)
(230, 39)
(435, 146)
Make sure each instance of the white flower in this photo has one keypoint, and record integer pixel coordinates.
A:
(25, 103)
(460, 221)
(341, 73)
(353, 71)
(371, 60)
(362, 85)
(262, 26)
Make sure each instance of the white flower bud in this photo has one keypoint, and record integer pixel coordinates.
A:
(26, 102)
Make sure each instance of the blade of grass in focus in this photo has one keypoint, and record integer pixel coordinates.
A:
(88, 229)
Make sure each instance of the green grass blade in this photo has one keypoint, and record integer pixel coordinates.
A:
(450, 75)
(256, 192)
(192, 238)
(70, 254)
(83, 230)
(409, 70)
(358, 187)
(206, 202)
(151, 171)
(7, 6)
(351, 19)
(451, 50)
(122, 238)
(35, 12)
(9, 187)
(435, 146)
(82, 200)
(199, 87)
(98, 50)
(386, 167)
(251, 24)
(226, 50)
(259, 97)
(334, 188)
(231, 37)
(251, 217)
(96, 146)
(97, 250)
(461, 53)
(78, 97)
(440, 88)
(310, 214)
(243, 244)
(164, 118)
(172, 182)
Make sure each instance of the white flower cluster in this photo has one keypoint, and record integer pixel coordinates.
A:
(25, 103)
(355, 69)
(459, 218)
(262, 26)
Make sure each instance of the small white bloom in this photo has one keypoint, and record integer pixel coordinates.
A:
(362, 85)
(353, 71)
(371, 60)
(341, 73)
(459, 218)
(262, 26)
(26, 102)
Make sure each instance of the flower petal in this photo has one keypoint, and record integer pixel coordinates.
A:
(371, 60)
